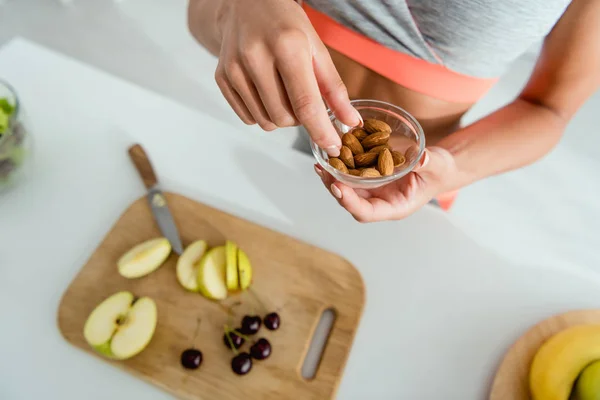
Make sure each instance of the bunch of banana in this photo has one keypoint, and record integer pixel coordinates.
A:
(568, 363)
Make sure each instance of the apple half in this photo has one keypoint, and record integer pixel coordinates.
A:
(231, 267)
(188, 264)
(121, 326)
(211, 274)
(144, 258)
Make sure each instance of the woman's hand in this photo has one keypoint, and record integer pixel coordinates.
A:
(398, 199)
(275, 71)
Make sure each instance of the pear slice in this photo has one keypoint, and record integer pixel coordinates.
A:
(244, 270)
(231, 268)
(187, 265)
(211, 274)
(120, 327)
(144, 258)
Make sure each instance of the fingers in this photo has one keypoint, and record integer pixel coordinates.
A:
(271, 89)
(363, 210)
(235, 73)
(233, 98)
(436, 163)
(333, 89)
(295, 64)
(328, 179)
(359, 203)
(285, 82)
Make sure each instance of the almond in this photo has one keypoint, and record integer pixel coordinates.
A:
(377, 149)
(385, 163)
(352, 143)
(338, 164)
(354, 172)
(374, 125)
(360, 134)
(369, 173)
(346, 156)
(398, 158)
(376, 139)
(365, 159)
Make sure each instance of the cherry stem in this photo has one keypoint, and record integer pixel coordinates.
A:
(227, 331)
(240, 334)
(229, 309)
(258, 300)
(281, 308)
(197, 328)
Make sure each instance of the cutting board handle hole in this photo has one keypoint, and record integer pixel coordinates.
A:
(318, 343)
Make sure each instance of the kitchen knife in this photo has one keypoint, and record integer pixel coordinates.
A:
(156, 198)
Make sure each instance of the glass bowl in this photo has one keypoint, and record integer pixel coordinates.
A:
(407, 137)
(15, 141)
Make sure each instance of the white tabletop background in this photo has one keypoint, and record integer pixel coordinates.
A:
(440, 310)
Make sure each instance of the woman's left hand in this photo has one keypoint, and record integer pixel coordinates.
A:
(400, 198)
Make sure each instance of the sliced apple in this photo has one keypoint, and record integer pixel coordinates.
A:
(144, 258)
(187, 265)
(244, 270)
(231, 268)
(211, 274)
(120, 327)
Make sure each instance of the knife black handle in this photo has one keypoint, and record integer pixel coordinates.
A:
(143, 165)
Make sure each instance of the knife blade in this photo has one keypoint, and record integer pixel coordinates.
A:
(156, 198)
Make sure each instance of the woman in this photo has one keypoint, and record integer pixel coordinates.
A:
(278, 61)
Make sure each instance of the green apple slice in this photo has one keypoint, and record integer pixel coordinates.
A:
(136, 330)
(211, 274)
(187, 265)
(231, 269)
(244, 270)
(121, 327)
(144, 258)
(102, 324)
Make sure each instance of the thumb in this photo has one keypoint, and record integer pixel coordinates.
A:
(434, 162)
(334, 91)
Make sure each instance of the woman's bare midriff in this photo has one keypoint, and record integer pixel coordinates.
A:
(437, 117)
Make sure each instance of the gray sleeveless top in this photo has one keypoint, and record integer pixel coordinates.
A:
(473, 37)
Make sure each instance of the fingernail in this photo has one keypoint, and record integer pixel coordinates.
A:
(336, 191)
(425, 159)
(318, 171)
(359, 117)
(332, 151)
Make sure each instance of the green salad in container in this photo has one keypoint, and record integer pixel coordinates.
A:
(12, 142)
(6, 111)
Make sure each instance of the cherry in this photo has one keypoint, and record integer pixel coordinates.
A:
(191, 358)
(236, 340)
(241, 364)
(261, 349)
(250, 324)
(272, 321)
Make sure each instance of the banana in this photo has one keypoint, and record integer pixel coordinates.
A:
(588, 383)
(561, 359)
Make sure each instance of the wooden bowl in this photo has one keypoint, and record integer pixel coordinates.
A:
(512, 378)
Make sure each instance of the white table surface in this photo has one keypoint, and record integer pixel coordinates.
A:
(440, 310)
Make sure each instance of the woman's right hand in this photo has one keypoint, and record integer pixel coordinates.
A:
(275, 71)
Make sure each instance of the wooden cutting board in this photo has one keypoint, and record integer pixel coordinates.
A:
(512, 378)
(296, 279)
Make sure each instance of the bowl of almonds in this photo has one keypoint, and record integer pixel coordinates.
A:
(385, 148)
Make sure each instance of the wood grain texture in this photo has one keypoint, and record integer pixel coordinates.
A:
(143, 165)
(296, 279)
(511, 380)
